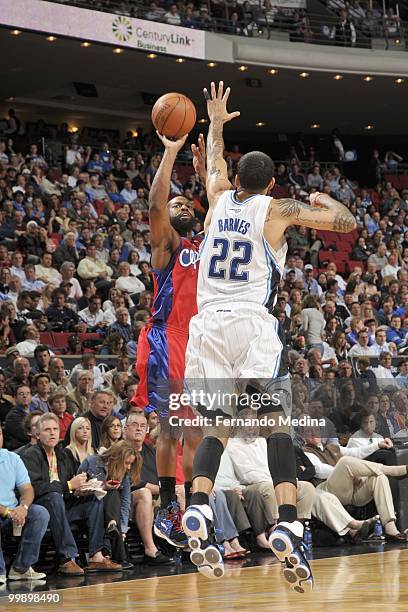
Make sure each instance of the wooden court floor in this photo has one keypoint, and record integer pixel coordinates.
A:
(375, 581)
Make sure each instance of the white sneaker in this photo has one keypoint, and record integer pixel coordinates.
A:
(3, 578)
(29, 574)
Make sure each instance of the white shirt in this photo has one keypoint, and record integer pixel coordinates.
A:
(98, 381)
(50, 275)
(131, 284)
(18, 272)
(359, 439)
(390, 270)
(383, 376)
(323, 471)
(75, 292)
(92, 319)
(380, 348)
(249, 460)
(361, 351)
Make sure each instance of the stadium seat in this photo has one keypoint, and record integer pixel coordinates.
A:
(47, 339)
(60, 341)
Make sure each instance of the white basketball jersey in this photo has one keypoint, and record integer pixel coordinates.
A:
(237, 264)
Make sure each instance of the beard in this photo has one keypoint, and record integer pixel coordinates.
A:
(182, 226)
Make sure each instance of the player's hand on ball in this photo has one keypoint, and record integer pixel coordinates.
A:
(172, 145)
(199, 157)
(217, 103)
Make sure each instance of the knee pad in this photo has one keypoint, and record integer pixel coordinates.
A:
(207, 458)
(281, 458)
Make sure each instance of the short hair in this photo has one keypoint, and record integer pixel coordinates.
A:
(365, 413)
(41, 375)
(40, 348)
(255, 171)
(48, 416)
(29, 418)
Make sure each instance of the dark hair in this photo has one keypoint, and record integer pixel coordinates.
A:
(255, 171)
(365, 413)
(29, 418)
(40, 348)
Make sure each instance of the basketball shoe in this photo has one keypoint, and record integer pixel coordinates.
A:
(167, 525)
(286, 542)
(197, 524)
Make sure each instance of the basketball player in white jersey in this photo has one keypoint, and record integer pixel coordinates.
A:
(233, 341)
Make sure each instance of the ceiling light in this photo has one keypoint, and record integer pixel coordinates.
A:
(242, 68)
(368, 78)
(399, 81)
(85, 44)
(273, 71)
(180, 60)
(51, 38)
(73, 129)
(369, 127)
(304, 75)
(15, 32)
(135, 133)
(10, 99)
(315, 126)
(203, 120)
(211, 64)
(151, 55)
(338, 77)
(117, 50)
(260, 124)
(397, 41)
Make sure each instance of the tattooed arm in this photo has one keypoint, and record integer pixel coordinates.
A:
(323, 213)
(217, 172)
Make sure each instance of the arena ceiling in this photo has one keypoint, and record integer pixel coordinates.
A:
(41, 73)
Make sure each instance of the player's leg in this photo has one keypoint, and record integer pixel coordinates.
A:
(198, 519)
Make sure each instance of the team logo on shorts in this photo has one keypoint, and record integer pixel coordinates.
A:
(122, 28)
(189, 258)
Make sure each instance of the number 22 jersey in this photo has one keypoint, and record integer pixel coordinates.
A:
(237, 264)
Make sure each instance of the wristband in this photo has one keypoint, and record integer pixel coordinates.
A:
(69, 486)
(6, 512)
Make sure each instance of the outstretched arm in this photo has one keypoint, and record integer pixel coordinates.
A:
(217, 171)
(164, 238)
(323, 213)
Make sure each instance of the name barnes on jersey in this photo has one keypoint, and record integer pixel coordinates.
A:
(234, 225)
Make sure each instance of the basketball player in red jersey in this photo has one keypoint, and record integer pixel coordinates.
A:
(161, 349)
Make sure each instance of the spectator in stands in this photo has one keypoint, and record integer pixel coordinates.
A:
(21, 375)
(402, 378)
(121, 326)
(31, 341)
(58, 405)
(78, 401)
(57, 375)
(80, 443)
(21, 512)
(14, 432)
(91, 268)
(42, 386)
(313, 323)
(45, 272)
(31, 429)
(118, 467)
(42, 357)
(88, 363)
(111, 432)
(361, 347)
(126, 282)
(31, 283)
(135, 431)
(61, 317)
(345, 474)
(101, 407)
(93, 316)
(67, 251)
(54, 485)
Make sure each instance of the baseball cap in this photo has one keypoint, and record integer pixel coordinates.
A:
(11, 351)
(292, 271)
(308, 267)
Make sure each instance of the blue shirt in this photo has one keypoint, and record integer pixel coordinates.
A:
(13, 473)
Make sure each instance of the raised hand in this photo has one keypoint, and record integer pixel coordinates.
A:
(217, 103)
(172, 145)
(199, 157)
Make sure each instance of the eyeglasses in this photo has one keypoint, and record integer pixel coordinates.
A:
(137, 426)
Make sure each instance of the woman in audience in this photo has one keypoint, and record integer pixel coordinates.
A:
(118, 468)
(133, 260)
(114, 344)
(340, 345)
(111, 432)
(80, 445)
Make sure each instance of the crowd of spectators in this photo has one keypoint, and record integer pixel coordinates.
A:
(358, 21)
(75, 278)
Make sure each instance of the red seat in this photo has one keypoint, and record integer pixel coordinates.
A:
(60, 340)
(89, 336)
(325, 257)
(47, 339)
(351, 264)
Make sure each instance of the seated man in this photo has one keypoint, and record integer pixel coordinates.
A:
(23, 513)
(31, 428)
(14, 432)
(135, 432)
(79, 401)
(58, 489)
(353, 480)
(100, 407)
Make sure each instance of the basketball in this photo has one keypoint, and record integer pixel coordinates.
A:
(174, 115)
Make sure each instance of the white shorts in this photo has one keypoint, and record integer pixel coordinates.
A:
(229, 348)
